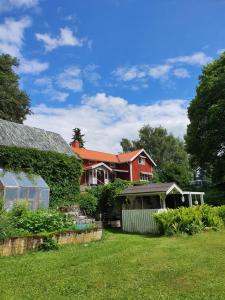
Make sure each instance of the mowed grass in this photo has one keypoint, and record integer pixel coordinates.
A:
(121, 266)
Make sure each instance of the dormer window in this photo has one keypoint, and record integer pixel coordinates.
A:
(141, 160)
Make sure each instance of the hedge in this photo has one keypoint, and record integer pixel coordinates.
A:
(60, 171)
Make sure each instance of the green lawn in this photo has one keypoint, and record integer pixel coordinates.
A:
(121, 266)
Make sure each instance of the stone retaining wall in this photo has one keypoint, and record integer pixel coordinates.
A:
(21, 245)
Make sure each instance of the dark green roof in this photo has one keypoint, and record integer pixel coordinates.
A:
(14, 134)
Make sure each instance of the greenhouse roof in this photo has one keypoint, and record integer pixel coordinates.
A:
(12, 179)
(14, 134)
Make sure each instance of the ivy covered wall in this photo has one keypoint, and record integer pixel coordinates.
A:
(60, 171)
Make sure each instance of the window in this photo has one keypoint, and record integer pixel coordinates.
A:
(145, 177)
(141, 161)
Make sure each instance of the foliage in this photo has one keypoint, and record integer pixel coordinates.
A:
(221, 212)
(39, 221)
(87, 202)
(205, 133)
(14, 103)
(167, 151)
(60, 171)
(48, 244)
(108, 195)
(77, 136)
(189, 220)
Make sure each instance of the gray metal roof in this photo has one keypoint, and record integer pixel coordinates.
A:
(148, 188)
(14, 134)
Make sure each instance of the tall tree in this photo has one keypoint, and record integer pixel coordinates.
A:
(167, 151)
(77, 136)
(14, 103)
(205, 137)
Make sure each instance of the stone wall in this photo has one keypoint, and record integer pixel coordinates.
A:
(21, 245)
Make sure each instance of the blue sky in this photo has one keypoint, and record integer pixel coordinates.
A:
(110, 66)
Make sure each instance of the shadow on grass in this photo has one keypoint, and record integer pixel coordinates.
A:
(120, 231)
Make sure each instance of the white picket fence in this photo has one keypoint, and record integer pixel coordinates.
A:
(140, 220)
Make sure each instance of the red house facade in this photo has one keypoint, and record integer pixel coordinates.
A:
(101, 168)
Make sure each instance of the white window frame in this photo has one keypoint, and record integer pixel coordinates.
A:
(141, 160)
(145, 177)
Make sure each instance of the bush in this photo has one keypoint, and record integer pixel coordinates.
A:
(60, 171)
(42, 221)
(49, 244)
(189, 220)
(87, 202)
(221, 212)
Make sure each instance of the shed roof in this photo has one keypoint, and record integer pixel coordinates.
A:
(19, 135)
(166, 187)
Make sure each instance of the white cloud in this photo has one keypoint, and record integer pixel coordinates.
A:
(129, 73)
(91, 75)
(65, 38)
(181, 73)
(46, 83)
(6, 5)
(198, 58)
(159, 72)
(70, 79)
(12, 40)
(220, 51)
(105, 119)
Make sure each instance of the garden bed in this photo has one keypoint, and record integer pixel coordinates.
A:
(21, 245)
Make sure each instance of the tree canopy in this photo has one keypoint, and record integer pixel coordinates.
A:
(14, 103)
(205, 137)
(78, 136)
(166, 150)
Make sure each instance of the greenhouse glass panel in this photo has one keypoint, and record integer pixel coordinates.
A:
(20, 186)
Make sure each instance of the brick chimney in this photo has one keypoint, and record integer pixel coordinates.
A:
(75, 144)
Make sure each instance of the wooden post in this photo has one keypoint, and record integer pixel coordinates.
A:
(162, 200)
(201, 199)
(190, 200)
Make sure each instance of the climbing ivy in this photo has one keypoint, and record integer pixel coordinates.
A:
(60, 171)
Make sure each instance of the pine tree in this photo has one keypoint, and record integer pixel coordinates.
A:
(77, 136)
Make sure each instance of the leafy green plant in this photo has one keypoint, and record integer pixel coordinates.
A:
(48, 244)
(60, 171)
(87, 202)
(43, 221)
(189, 220)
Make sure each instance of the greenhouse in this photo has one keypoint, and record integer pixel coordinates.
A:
(16, 187)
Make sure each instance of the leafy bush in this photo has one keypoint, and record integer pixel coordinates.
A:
(60, 171)
(42, 221)
(48, 244)
(221, 212)
(87, 202)
(189, 220)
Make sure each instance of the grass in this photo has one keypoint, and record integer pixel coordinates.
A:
(121, 266)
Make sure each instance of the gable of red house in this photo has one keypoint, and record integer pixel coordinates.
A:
(101, 167)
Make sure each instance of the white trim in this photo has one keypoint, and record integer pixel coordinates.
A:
(172, 187)
(98, 165)
(131, 173)
(193, 193)
(122, 171)
(143, 150)
(146, 173)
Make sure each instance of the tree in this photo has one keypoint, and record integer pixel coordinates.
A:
(77, 136)
(14, 103)
(167, 151)
(205, 137)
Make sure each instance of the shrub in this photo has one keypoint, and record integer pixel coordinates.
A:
(43, 221)
(189, 220)
(60, 171)
(48, 244)
(221, 212)
(87, 202)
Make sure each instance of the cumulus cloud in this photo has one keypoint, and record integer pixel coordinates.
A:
(105, 119)
(47, 88)
(181, 73)
(6, 5)
(12, 40)
(198, 58)
(159, 72)
(65, 38)
(70, 79)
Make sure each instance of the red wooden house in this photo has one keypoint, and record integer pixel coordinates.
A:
(101, 167)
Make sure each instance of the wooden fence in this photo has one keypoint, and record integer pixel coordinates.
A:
(140, 220)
